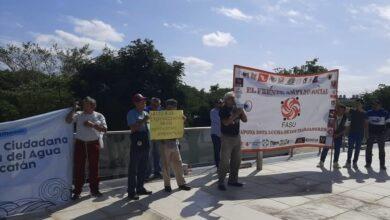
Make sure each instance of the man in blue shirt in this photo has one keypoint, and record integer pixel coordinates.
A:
(155, 105)
(216, 130)
(377, 118)
(137, 120)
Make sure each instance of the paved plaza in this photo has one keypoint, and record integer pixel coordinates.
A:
(284, 189)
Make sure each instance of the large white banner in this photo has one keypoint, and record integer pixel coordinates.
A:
(35, 163)
(285, 111)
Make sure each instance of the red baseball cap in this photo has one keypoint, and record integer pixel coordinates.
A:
(138, 98)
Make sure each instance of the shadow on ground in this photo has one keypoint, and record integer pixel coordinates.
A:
(206, 198)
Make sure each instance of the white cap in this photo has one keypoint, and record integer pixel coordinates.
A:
(229, 95)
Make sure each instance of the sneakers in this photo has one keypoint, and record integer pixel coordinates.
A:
(336, 165)
(368, 166)
(355, 166)
(184, 187)
(143, 191)
(320, 164)
(133, 197)
(96, 194)
(235, 184)
(347, 165)
(167, 189)
(222, 187)
(75, 197)
(383, 168)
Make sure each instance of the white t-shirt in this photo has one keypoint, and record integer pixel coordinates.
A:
(85, 133)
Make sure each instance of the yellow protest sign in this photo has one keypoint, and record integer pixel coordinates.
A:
(166, 124)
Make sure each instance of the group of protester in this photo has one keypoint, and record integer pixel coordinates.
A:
(359, 125)
(90, 124)
(225, 134)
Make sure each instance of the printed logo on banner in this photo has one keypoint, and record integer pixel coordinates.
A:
(330, 76)
(248, 106)
(245, 74)
(315, 140)
(333, 103)
(273, 79)
(265, 143)
(315, 80)
(274, 143)
(322, 139)
(334, 84)
(263, 77)
(253, 75)
(300, 140)
(330, 131)
(239, 82)
(291, 108)
(284, 142)
(332, 113)
(331, 122)
(290, 81)
(305, 80)
(281, 80)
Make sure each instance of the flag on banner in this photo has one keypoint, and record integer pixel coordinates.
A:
(35, 163)
(285, 111)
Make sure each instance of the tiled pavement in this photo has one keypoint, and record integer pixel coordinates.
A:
(293, 189)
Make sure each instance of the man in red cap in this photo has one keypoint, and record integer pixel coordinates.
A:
(137, 120)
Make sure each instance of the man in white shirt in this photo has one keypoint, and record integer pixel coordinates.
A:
(216, 130)
(89, 125)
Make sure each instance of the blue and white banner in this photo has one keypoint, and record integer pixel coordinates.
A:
(36, 157)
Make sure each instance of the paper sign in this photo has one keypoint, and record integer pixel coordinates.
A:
(166, 124)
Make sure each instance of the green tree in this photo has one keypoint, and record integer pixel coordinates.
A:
(113, 79)
(309, 67)
(28, 93)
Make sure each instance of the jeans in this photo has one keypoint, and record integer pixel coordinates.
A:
(230, 158)
(337, 145)
(354, 143)
(380, 139)
(154, 153)
(217, 148)
(86, 151)
(139, 153)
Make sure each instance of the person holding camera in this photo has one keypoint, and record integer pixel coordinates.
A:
(89, 125)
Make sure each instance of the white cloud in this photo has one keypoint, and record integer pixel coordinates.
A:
(218, 39)
(95, 33)
(352, 82)
(69, 40)
(194, 65)
(385, 69)
(96, 29)
(234, 13)
(293, 13)
(371, 17)
(269, 65)
(383, 11)
(201, 74)
(175, 25)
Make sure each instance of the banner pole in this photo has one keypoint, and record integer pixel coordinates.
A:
(331, 155)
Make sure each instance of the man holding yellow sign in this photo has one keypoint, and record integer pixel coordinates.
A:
(168, 126)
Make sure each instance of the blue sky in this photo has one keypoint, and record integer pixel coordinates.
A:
(210, 36)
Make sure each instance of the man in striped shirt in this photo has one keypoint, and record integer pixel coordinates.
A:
(377, 120)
